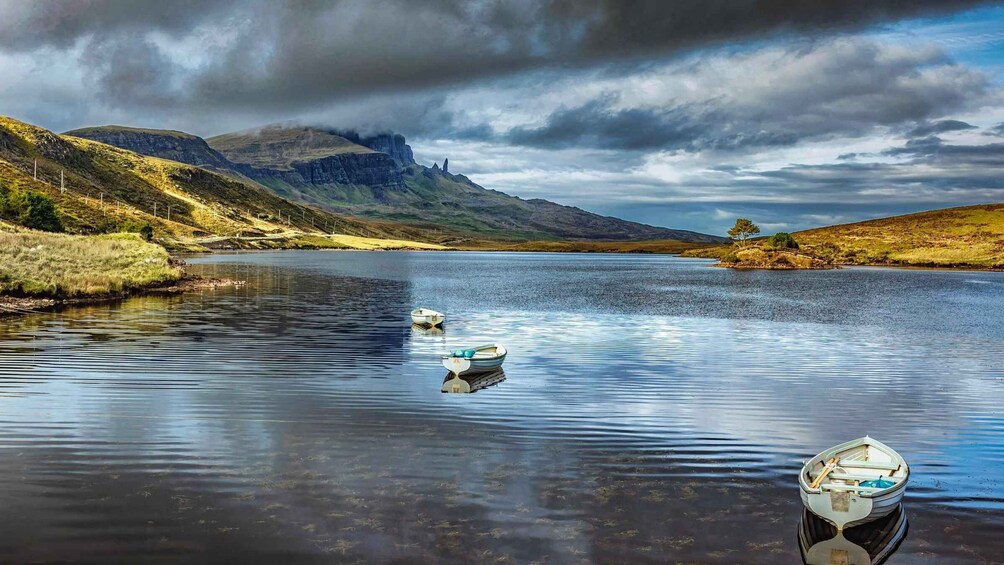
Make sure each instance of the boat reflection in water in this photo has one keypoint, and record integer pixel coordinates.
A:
(472, 382)
(868, 544)
(434, 331)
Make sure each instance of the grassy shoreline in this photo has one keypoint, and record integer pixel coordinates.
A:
(73, 266)
(41, 271)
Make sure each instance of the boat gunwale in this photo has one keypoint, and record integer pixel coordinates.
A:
(481, 348)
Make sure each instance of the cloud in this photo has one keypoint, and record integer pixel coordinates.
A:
(260, 56)
(776, 96)
(940, 126)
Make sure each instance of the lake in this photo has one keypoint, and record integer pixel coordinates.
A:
(653, 410)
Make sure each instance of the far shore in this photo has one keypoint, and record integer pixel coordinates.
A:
(100, 269)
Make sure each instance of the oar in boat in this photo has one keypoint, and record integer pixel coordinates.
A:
(830, 466)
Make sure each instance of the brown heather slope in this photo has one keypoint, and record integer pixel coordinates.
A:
(965, 237)
(970, 236)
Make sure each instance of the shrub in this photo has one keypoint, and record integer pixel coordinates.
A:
(34, 210)
(146, 232)
(782, 240)
(783, 261)
(729, 257)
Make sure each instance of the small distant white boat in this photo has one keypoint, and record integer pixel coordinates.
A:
(854, 483)
(478, 359)
(426, 317)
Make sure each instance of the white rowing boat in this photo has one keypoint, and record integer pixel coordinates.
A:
(854, 483)
(426, 317)
(480, 359)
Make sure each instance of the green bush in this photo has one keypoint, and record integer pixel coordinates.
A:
(782, 240)
(34, 210)
(144, 229)
(729, 258)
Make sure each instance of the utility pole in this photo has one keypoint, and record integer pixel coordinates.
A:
(62, 186)
(169, 212)
(154, 209)
(34, 175)
(102, 197)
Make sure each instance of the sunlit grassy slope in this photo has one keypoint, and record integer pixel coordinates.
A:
(47, 264)
(356, 242)
(969, 236)
(106, 186)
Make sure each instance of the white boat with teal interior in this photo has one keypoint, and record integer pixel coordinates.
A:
(475, 359)
(854, 482)
(427, 318)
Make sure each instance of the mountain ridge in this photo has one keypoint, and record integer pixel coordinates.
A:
(333, 169)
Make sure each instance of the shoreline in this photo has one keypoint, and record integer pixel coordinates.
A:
(680, 255)
(21, 305)
(11, 305)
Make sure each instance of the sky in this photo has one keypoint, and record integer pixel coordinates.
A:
(684, 114)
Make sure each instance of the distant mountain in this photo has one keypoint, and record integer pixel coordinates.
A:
(376, 177)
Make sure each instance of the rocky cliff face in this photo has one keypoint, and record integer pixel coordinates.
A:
(375, 170)
(308, 158)
(380, 171)
(392, 144)
(173, 145)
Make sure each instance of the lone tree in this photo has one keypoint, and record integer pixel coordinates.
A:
(743, 230)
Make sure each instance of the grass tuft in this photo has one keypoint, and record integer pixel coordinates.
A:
(70, 266)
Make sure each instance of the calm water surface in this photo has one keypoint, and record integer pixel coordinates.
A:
(654, 410)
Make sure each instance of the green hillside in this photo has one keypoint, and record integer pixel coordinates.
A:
(107, 187)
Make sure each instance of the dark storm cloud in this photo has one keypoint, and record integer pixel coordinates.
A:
(690, 127)
(60, 23)
(595, 125)
(298, 55)
(941, 126)
(814, 98)
(933, 151)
